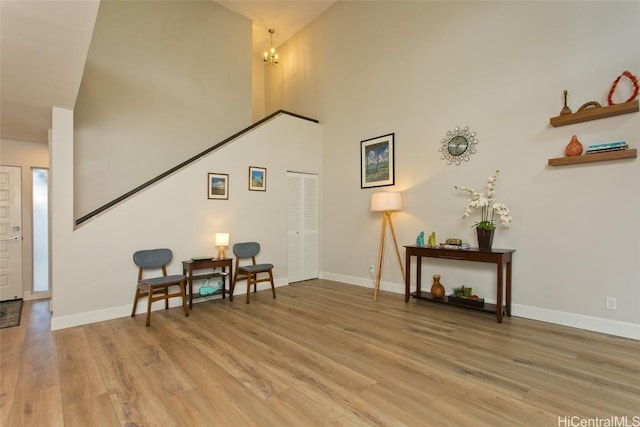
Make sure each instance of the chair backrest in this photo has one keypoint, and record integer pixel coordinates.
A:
(152, 258)
(246, 249)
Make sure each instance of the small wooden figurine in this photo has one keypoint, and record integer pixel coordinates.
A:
(565, 109)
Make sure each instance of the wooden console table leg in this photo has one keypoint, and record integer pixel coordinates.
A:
(418, 274)
(499, 293)
(508, 290)
(407, 278)
(223, 275)
(189, 275)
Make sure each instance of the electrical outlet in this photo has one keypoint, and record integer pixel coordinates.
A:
(372, 269)
(610, 303)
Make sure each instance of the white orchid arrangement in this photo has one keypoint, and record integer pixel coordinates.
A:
(488, 206)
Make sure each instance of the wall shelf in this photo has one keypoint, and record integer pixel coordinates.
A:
(595, 113)
(597, 157)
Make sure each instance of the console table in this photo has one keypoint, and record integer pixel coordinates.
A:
(501, 257)
(189, 266)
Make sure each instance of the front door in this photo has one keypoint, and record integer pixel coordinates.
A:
(10, 233)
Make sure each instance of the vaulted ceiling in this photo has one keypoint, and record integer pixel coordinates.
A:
(44, 44)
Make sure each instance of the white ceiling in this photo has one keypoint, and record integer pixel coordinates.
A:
(44, 44)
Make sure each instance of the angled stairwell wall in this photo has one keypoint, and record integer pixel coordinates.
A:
(93, 275)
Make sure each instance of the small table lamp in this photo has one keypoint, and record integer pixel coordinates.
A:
(386, 202)
(222, 241)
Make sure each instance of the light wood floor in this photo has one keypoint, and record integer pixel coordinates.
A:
(320, 354)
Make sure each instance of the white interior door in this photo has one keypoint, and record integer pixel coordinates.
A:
(302, 226)
(10, 233)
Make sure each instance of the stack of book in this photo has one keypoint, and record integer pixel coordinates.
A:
(607, 146)
(454, 244)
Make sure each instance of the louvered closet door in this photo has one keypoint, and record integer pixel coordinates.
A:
(302, 226)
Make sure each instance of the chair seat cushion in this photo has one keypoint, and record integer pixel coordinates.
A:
(166, 280)
(258, 268)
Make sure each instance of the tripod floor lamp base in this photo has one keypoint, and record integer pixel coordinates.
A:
(386, 202)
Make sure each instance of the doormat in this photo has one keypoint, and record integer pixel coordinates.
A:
(10, 312)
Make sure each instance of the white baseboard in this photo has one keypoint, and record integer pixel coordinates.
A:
(364, 282)
(580, 321)
(574, 320)
(590, 323)
(69, 321)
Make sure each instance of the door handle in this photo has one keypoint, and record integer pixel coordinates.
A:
(17, 238)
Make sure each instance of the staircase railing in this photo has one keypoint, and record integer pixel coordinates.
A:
(184, 164)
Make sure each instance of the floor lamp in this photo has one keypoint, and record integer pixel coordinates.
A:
(386, 202)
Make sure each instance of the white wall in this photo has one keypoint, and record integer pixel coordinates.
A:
(257, 83)
(419, 69)
(163, 81)
(93, 272)
(26, 155)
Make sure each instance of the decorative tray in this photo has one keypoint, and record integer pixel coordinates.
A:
(462, 300)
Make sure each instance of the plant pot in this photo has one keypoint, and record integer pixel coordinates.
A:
(485, 239)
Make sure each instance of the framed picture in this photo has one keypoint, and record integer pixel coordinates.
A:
(377, 162)
(218, 186)
(257, 178)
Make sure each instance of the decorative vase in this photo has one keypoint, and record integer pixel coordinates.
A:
(574, 148)
(485, 239)
(437, 290)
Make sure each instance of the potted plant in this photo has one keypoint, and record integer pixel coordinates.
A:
(489, 208)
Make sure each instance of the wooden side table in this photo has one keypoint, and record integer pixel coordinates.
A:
(189, 266)
(502, 258)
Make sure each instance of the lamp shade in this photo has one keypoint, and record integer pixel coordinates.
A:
(222, 239)
(386, 201)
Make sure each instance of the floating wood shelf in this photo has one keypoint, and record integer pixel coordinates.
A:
(595, 113)
(597, 157)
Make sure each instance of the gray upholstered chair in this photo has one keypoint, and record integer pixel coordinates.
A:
(157, 288)
(250, 272)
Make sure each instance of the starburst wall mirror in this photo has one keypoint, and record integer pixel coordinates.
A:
(458, 145)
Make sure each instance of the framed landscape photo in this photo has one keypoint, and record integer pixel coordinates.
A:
(218, 186)
(257, 178)
(377, 162)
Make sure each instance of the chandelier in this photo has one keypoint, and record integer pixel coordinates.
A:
(270, 57)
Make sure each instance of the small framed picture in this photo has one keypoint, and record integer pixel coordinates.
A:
(377, 162)
(257, 178)
(218, 186)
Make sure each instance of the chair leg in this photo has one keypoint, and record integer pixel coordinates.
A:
(233, 285)
(273, 287)
(149, 307)
(135, 302)
(184, 299)
(166, 298)
(249, 280)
